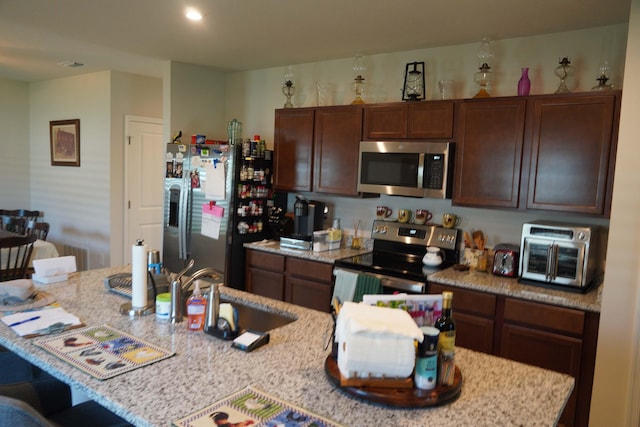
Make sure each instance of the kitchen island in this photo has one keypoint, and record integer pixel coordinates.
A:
(495, 391)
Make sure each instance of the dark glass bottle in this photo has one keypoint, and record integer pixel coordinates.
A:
(446, 342)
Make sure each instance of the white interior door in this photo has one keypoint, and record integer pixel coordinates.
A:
(144, 183)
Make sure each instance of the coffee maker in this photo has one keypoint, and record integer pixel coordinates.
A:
(308, 216)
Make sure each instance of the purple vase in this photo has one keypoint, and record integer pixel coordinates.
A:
(524, 84)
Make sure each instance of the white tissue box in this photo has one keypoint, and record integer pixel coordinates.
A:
(49, 279)
(376, 342)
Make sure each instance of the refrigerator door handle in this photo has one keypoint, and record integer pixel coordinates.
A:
(182, 221)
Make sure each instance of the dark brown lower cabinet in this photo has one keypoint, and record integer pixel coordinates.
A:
(295, 280)
(551, 337)
(475, 314)
(309, 283)
(265, 274)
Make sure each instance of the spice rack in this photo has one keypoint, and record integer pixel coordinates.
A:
(254, 194)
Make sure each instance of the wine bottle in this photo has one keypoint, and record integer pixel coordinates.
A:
(446, 341)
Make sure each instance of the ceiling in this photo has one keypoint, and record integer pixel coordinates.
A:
(138, 36)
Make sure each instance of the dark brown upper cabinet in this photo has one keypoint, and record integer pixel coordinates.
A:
(409, 120)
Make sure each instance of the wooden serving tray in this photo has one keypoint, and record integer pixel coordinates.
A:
(397, 397)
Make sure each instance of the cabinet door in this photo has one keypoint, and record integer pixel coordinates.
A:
(489, 143)
(474, 314)
(550, 337)
(265, 274)
(386, 121)
(473, 332)
(337, 135)
(433, 119)
(546, 350)
(308, 293)
(571, 153)
(293, 150)
(309, 283)
(265, 283)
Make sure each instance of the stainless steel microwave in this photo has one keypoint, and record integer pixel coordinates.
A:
(406, 168)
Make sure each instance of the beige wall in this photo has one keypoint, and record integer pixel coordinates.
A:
(84, 204)
(75, 199)
(252, 97)
(137, 95)
(193, 101)
(616, 392)
(14, 145)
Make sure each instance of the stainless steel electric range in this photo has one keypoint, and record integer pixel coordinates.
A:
(398, 250)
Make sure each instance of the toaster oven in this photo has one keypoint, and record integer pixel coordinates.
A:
(559, 254)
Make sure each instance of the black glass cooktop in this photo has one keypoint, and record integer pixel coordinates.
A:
(390, 264)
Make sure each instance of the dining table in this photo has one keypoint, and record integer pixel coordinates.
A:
(42, 249)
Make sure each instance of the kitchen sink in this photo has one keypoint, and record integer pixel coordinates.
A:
(259, 319)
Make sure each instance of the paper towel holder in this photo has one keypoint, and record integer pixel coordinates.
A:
(128, 309)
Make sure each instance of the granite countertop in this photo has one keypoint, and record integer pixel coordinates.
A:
(487, 282)
(495, 391)
(471, 279)
(328, 257)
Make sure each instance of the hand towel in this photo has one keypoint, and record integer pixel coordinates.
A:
(366, 285)
(345, 285)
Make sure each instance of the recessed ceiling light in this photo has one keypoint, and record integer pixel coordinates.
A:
(71, 64)
(193, 14)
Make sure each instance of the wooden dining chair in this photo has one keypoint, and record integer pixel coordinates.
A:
(28, 215)
(13, 224)
(15, 254)
(40, 229)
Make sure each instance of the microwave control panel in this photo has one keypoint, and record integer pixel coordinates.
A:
(434, 171)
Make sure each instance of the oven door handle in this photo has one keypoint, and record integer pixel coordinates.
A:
(552, 262)
(389, 282)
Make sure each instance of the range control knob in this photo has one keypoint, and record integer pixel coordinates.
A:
(380, 229)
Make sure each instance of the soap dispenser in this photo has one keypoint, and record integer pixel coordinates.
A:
(196, 310)
(211, 311)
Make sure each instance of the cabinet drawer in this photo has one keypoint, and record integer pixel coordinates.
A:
(310, 294)
(544, 316)
(470, 302)
(265, 260)
(317, 271)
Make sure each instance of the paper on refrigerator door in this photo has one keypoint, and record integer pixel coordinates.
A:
(211, 220)
(215, 184)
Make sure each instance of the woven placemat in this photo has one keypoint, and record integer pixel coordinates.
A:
(103, 351)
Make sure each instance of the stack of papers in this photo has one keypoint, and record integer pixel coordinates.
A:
(41, 322)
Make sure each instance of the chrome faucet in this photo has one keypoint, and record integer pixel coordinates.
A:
(179, 289)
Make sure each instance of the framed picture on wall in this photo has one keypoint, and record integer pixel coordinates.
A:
(65, 142)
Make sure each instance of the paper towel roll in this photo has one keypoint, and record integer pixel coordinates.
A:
(139, 274)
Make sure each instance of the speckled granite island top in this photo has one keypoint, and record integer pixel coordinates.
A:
(329, 257)
(487, 282)
(495, 391)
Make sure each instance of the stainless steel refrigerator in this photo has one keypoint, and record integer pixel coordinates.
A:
(188, 229)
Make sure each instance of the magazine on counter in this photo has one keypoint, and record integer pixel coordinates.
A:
(423, 308)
